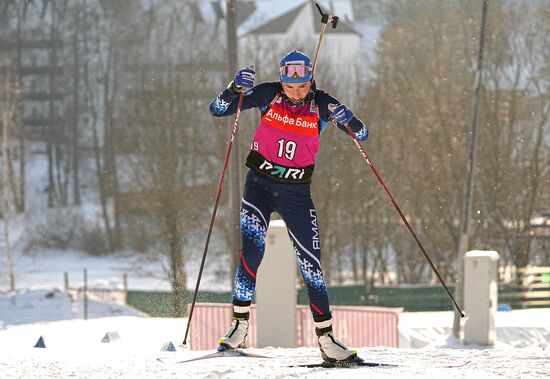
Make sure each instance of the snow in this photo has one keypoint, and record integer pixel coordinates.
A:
(32, 306)
(529, 328)
(46, 268)
(265, 12)
(74, 347)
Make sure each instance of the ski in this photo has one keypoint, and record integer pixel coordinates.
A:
(223, 352)
(220, 353)
(345, 364)
(353, 364)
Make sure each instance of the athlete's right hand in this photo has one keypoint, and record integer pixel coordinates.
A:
(244, 79)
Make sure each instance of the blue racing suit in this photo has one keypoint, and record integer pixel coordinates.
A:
(276, 183)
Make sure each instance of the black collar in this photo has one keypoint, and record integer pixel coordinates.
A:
(309, 97)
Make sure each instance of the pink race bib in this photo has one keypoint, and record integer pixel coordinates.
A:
(288, 135)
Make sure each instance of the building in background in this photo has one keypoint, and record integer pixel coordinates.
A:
(275, 28)
(41, 52)
(33, 51)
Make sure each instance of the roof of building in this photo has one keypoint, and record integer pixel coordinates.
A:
(282, 21)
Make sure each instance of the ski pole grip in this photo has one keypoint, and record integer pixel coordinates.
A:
(324, 16)
(331, 108)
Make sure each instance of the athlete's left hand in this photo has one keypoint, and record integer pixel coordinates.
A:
(342, 114)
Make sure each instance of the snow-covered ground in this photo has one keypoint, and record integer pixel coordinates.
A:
(45, 268)
(74, 347)
(528, 328)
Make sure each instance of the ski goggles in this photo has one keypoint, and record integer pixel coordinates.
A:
(296, 71)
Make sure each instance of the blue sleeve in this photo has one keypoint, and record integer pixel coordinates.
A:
(357, 126)
(260, 96)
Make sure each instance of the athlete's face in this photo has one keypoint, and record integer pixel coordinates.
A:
(296, 91)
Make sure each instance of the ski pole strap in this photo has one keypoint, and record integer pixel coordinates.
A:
(241, 310)
(323, 327)
(323, 331)
(324, 16)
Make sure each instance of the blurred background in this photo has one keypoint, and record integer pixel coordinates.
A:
(111, 160)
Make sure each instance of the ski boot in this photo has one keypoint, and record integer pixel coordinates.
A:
(332, 350)
(237, 332)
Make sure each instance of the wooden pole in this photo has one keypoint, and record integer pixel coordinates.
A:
(125, 284)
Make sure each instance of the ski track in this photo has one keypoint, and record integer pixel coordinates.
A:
(74, 348)
(118, 360)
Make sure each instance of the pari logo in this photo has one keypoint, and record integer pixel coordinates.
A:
(282, 172)
(315, 229)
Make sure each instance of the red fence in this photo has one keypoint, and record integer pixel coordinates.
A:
(356, 326)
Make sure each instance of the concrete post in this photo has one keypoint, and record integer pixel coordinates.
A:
(480, 296)
(276, 290)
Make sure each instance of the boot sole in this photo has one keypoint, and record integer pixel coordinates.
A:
(353, 358)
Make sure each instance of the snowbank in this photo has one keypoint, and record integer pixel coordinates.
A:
(519, 328)
(42, 305)
(74, 347)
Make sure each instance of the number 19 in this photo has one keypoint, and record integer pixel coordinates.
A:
(288, 148)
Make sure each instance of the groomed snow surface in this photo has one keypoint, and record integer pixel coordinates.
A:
(74, 347)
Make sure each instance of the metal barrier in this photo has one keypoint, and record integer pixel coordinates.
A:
(98, 294)
(532, 288)
(355, 325)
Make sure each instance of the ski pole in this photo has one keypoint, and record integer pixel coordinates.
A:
(324, 20)
(216, 202)
(375, 171)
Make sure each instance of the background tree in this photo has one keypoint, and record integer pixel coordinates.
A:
(514, 154)
(167, 151)
(124, 126)
(421, 100)
(9, 101)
